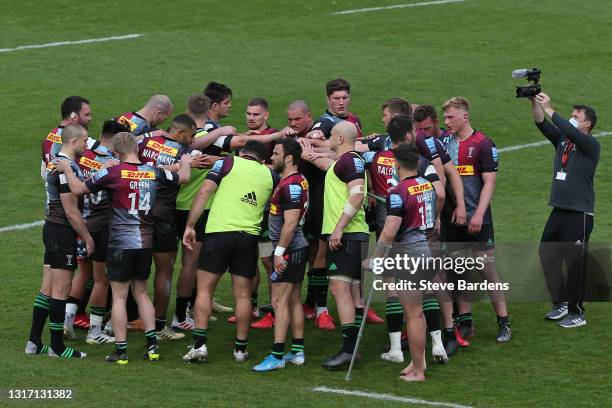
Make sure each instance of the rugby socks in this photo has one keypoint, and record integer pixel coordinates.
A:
(72, 305)
(358, 316)
(464, 319)
(160, 324)
(394, 312)
(278, 349)
(449, 334)
(297, 346)
(40, 312)
(181, 308)
(56, 322)
(310, 301)
(151, 336)
(319, 286)
(121, 347)
(254, 297)
(503, 320)
(349, 337)
(431, 310)
(240, 345)
(96, 316)
(85, 300)
(200, 336)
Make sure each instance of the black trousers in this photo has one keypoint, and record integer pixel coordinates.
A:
(565, 242)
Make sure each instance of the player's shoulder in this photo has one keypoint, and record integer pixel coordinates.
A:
(481, 138)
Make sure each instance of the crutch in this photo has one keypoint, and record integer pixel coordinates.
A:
(349, 373)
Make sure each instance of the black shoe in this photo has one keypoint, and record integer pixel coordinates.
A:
(339, 361)
(504, 334)
(451, 345)
(114, 357)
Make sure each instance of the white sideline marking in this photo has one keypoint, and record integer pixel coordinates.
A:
(61, 43)
(541, 143)
(500, 150)
(388, 397)
(396, 6)
(22, 226)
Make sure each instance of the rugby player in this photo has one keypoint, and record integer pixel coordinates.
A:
(242, 186)
(133, 187)
(63, 223)
(408, 217)
(347, 234)
(288, 207)
(426, 121)
(475, 157)
(166, 151)
(97, 222)
(144, 122)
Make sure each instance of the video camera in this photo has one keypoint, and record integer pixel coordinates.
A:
(533, 77)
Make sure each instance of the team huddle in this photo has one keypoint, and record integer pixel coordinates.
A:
(306, 195)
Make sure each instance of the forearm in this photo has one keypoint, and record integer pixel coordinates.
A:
(537, 112)
(437, 164)
(355, 201)
(77, 187)
(75, 218)
(485, 197)
(457, 186)
(184, 172)
(583, 141)
(287, 232)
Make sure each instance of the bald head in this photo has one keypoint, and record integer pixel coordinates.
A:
(74, 139)
(347, 130)
(157, 109)
(299, 105)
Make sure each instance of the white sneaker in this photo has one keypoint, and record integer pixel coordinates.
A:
(219, 308)
(108, 328)
(241, 356)
(69, 332)
(437, 347)
(393, 356)
(169, 334)
(186, 324)
(196, 354)
(32, 348)
(100, 338)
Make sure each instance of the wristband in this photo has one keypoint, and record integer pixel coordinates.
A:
(350, 210)
(279, 251)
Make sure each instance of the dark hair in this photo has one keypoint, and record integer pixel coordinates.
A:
(198, 104)
(338, 84)
(183, 121)
(291, 147)
(407, 155)
(111, 127)
(589, 114)
(397, 105)
(217, 92)
(255, 148)
(72, 104)
(399, 126)
(258, 101)
(423, 112)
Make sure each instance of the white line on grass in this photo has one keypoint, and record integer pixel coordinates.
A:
(500, 150)
(541, 143)
(396, 6)
(387, 397)
(61, 43)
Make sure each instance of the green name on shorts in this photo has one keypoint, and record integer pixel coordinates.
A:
(241, 198)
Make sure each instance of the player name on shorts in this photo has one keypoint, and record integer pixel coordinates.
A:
(424, 284)
(467, 170)
(55, 138)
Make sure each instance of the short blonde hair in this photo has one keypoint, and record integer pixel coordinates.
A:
(458, 102)
(124, 143)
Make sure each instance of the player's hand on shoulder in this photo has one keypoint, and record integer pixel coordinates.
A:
(61, 165)
(159, 132)
(315, 134)
(186, 160)
(288, 132)
(110, 163)
(199, 161)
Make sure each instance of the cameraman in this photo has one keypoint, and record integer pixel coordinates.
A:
(572, 197)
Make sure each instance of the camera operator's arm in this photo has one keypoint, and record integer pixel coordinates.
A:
(553, 134)
(583, 141)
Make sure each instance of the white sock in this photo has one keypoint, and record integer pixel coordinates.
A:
(95, 324)
(396, 341)
(436, 337)
(71, 309)
(321, 310)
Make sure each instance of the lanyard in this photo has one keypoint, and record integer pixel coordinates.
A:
(569, 145)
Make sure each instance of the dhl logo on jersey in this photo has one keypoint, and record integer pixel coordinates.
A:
(90, 164)
(419, 188)
(55, 138)
(162, 148)
(304, 184)
(273, 209)
(467, 170)
(137, 175)
(386, 161)
(51, 166)
(126, 122)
